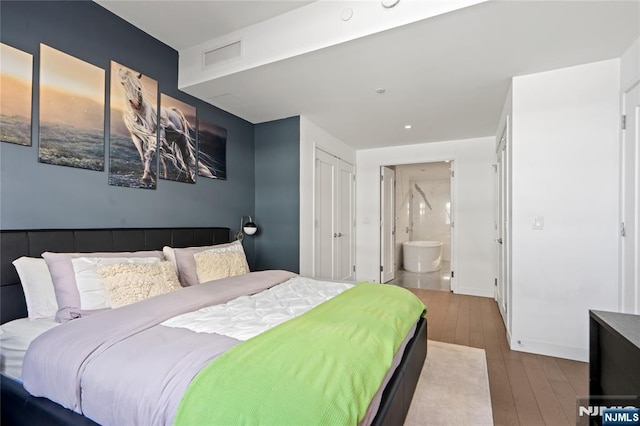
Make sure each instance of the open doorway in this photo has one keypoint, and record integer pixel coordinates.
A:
(423, 225)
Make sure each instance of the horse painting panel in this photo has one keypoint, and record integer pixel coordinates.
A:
(133, 128)
(212, 149)
(170, 132)
(177, 141)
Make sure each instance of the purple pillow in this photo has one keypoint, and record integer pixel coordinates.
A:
(64, 279)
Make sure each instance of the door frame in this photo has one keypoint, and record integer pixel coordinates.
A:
(453, 212)
(629, 289)
(502, 221)
(387, 226)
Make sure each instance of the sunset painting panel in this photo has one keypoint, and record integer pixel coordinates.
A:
(71, 111)
(16, 76)
(133, 130)
(212, 150)
(177, 140)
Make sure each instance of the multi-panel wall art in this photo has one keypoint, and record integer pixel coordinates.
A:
(178, 160)
(133, 130)
(71, 126)
(212, 150)
(16, 76)
(71, 111)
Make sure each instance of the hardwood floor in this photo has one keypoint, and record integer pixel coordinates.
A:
(526, 389)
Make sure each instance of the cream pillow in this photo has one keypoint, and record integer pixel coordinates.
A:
(128, 283)
(90, 286)
(185, 263)
(217, 264)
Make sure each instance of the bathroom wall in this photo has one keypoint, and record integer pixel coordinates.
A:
(418, 219)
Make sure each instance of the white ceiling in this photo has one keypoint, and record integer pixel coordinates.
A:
(448, 75)
(184, 23)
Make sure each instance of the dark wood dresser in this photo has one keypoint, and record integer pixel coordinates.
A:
(614, 359)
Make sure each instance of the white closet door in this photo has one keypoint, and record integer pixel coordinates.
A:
(345, 217)
(334, 245)
(324, 220)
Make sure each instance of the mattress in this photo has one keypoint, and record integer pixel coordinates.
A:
(15, 337)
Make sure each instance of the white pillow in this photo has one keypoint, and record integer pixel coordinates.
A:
(93, 294)
(170, 256)
(37, 287)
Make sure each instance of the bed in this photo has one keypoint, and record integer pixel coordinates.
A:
(20, 408)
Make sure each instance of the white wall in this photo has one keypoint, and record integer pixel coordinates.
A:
(630, 66)
(312, 137)
(565, 168)
(472, 208)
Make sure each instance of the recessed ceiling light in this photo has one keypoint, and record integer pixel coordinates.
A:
(407, 126)
(380, 90)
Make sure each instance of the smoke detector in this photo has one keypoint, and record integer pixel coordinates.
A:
(388, 4)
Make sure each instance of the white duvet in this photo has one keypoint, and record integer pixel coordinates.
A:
(248, 316)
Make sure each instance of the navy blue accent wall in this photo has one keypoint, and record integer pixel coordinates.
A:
(277, 163)
(35, 195)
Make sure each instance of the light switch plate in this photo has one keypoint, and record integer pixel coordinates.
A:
(538, 222)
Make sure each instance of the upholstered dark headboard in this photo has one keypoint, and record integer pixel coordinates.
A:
(33, 243)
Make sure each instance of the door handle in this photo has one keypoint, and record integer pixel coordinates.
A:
(339, 234)
(499, 240)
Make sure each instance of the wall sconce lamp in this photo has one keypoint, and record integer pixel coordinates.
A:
(248, 227)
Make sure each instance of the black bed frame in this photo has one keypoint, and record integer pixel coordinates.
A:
(20, 408)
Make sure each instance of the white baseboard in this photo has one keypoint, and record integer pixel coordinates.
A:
(549, 349)
(474, 291)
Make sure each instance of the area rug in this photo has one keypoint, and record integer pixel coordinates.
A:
(453, 388)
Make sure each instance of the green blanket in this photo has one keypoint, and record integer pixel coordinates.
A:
(321, 368)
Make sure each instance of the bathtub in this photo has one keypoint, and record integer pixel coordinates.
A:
(422, 256)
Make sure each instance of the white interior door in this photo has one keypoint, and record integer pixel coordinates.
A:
(501, 225)
(630, 203)
(324, 254)
(497, 226)
(387, 225)
(345, 221)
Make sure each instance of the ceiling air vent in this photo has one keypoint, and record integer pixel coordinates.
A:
(222, 53)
